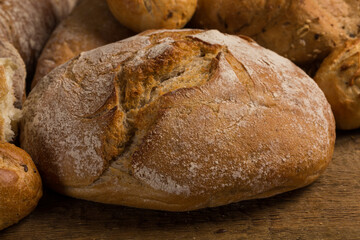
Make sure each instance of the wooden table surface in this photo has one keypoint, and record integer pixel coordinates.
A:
(328, 209)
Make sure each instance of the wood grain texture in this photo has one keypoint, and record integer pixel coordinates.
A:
(328, 209)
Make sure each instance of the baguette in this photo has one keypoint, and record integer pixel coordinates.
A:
(178, 120)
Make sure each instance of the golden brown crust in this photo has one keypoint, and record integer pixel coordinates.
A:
(141, 15)
(20, 185)
(90, 25)
(178, 120)
(338, 77)
(302, 31)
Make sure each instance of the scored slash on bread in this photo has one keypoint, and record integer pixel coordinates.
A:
(178, 120)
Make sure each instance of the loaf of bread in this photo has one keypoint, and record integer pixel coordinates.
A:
(28, 24)
(178, 120)
(302, 31)
(339, 78)
(141, 15)
(20, 185)
(90, 25)
(24, 28)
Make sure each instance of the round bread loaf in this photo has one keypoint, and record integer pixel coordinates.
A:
(141, 15)
(20, 185)
(302, 31)
(178, 120)
(339, 78)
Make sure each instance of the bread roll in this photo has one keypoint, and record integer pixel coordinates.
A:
(302, 31)
(178, 120)
(90, 25)
(339, 78)
(141, 15)
(20, 185)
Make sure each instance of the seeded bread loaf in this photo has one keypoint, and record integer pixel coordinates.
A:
(178, 120)
(303, 31)
(90, 25)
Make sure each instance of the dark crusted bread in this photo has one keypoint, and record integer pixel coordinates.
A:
(178, 120)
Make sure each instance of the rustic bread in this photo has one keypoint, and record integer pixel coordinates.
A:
(28, 24)
(24, 28)
(90, 25)
(302, 31)
(20, 185)
(141, 15)
(339, 78)
(178, 120)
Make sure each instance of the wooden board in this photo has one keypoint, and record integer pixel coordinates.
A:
(328, 209)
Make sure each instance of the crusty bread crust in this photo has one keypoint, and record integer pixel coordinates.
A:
(339, 78)
(90, 25)
(141, 15)
(178, 120)
(302, 31)
(20, 185)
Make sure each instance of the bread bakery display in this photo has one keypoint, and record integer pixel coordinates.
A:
(141, 15)
(178, 120)
(90, 25)
(302, 31)
(20, 185)
(338, 77)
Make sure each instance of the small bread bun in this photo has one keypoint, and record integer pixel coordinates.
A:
(178, 120)
(20, 185)
(339, 78)
(141, 15)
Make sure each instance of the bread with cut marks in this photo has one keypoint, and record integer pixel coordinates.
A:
(178, 120)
